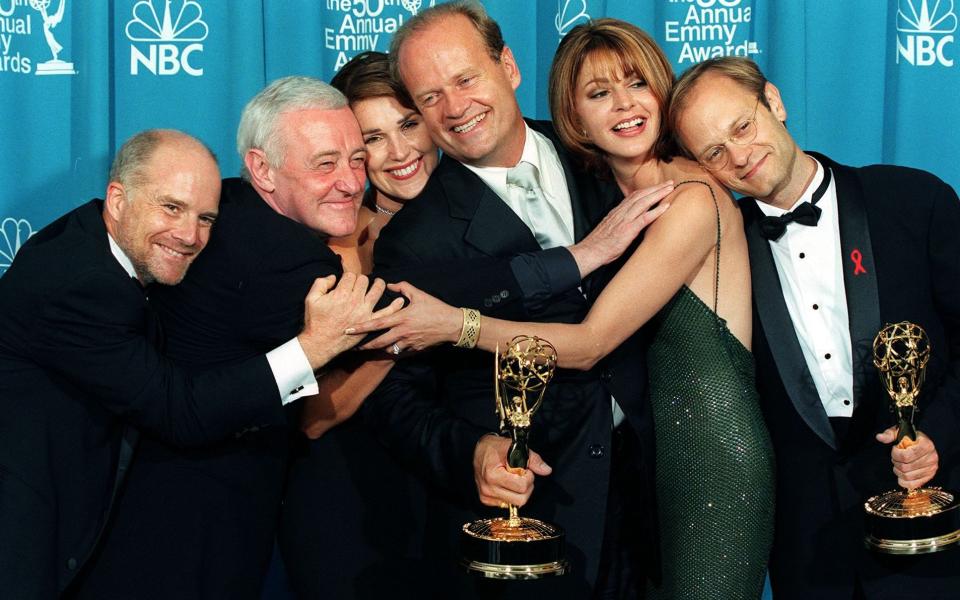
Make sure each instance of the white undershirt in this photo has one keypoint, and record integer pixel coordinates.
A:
(809, 265)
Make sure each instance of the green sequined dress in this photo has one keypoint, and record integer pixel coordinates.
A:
(714, 459)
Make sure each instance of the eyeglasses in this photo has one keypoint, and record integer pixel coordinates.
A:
(716, 157)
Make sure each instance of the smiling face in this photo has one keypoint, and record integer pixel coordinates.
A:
(466, 98)
(320, 181)
(163, 222)
(769, 168)
(618, 111)
(400, 154)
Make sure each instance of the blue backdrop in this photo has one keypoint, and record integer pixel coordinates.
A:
(863, 80)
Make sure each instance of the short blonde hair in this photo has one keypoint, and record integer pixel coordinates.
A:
(622, 44)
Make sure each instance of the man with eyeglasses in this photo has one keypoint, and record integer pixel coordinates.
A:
(836, 252)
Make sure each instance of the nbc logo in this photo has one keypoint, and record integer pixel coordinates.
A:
(570, 13)
(13, 234)
(172, 36)
(924, 29)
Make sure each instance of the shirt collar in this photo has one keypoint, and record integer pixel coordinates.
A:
(773, 211)
(122, 258)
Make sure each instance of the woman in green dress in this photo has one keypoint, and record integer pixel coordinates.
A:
(609, 88)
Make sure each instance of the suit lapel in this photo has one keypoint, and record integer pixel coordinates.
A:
(494, 229)
(859, 276)
(780, 335)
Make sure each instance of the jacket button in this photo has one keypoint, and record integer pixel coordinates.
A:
(71, 563)
(606, 375)
(596, 451)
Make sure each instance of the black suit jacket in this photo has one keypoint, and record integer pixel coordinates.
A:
(904, 225)
(210, 512)
(78, 361)
(432, 409)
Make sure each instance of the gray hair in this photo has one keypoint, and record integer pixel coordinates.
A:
(258, 123)
(128, 165)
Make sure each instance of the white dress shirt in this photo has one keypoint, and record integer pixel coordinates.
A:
(811, 275)
(540, 152)
(289, 364)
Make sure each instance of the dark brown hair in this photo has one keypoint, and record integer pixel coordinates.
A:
(367, 75)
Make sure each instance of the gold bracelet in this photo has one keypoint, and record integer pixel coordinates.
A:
(470, 332)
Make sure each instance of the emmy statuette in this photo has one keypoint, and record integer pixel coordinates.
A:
(517, 547)
(925, 519)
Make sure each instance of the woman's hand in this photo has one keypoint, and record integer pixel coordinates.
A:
(424, 322)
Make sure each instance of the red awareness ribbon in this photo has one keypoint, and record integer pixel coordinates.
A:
(857, 259)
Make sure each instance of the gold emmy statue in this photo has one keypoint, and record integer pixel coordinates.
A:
(517, 547)
(914, 521)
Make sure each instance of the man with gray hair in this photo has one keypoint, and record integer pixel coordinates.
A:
(209, 515)
(80, 372)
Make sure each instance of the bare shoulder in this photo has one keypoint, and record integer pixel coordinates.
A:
(693, 200)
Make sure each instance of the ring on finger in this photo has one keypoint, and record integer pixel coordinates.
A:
(395, 348)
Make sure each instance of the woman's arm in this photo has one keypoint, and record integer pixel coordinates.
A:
(342, 391)
(670, 255)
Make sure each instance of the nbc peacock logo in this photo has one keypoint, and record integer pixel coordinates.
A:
(925, 31)
(165, 37)
(13, 234)
(570, 13)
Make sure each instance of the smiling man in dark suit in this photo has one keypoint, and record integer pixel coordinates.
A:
(208, 514)
(836, 252)
(505, 186)
(80, 372)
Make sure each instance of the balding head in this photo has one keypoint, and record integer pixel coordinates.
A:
(161, 202)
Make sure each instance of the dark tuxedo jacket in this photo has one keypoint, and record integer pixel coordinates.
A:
(209, 513)
(78, 364)
(432, 409)
(903, 225)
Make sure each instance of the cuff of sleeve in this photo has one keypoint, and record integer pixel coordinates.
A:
(543, 274)
(292, 371)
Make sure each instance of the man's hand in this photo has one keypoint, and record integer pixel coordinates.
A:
(328, 312)
(914, 463)
(497, 483)
(611, 237)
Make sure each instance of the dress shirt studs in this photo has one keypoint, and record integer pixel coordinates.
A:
(816, 307)
(846, 403)
(827, 356)
(803, 255)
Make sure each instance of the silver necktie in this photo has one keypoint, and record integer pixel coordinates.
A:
(542, 218)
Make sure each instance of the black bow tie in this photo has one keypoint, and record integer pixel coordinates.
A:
(807, 213)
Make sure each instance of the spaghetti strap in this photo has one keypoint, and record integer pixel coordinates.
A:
(716, 205)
